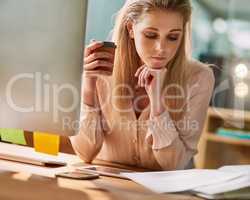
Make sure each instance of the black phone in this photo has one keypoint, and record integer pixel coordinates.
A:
(78, 175)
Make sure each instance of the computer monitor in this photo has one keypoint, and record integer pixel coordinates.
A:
(41, 47)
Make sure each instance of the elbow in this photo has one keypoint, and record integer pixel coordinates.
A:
(85, 150)
(167, 158)
(186, 160)
(173, 158)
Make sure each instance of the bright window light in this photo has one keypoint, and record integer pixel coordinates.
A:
(241, 90)
(241, 71)
(220, 25)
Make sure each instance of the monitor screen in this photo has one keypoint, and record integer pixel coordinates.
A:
(41, 47)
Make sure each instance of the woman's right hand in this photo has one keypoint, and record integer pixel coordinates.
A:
(97, 62)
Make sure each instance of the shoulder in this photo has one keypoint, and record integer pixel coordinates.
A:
(198, 72)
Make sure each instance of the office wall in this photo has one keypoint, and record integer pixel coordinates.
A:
(100, 14)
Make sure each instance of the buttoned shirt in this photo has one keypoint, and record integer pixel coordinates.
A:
(153, 142)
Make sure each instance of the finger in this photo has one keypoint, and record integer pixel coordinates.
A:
(98, 63)
(144, 72)
(91, 47)
(147, 76)
(97, 73)
(140, 79)
(139, 71)
(98, 55)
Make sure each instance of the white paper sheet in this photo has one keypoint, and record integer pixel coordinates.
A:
(182, 180)
(235, 184)
(236, 168)
(231, 195)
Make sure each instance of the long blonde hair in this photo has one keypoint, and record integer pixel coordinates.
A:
(127, 60)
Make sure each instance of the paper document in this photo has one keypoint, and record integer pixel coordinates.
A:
(236, 168)
(182, 180)
(227, 186)
(239, 194)
(234, 184)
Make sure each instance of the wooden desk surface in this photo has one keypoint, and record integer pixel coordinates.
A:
(23, 186)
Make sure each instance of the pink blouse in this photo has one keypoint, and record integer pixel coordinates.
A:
(126, 140)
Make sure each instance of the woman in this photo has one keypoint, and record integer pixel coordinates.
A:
(151, 111)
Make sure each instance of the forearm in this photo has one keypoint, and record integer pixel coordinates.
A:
(173, 157)
(89, 91)
(89, 140)
(156, 107)
(167, 145)
(85, 146)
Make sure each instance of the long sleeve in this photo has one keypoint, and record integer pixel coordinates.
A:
(173, 146)
(88, 142)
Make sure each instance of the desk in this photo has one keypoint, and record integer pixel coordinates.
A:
(22, 185)
(25, 186)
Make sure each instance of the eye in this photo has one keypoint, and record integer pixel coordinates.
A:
(173, 37)
(150, 35)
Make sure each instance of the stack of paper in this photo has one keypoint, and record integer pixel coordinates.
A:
(206, 183)
(236, 188)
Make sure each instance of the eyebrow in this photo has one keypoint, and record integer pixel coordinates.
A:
(177, 29)
(173, 30)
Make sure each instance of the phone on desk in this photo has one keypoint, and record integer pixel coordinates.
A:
(105, 171)
(78, 175)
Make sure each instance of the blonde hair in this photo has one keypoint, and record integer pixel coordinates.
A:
(127, 60)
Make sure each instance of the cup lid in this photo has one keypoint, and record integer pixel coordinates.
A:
(109, 44)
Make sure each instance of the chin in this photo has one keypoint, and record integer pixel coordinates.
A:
(157, 65)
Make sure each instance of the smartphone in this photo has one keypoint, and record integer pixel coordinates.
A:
(78, 175)
(105, 171)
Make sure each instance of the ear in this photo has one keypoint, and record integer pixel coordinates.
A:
(130, 29)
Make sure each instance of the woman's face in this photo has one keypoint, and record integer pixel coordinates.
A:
(157, 36)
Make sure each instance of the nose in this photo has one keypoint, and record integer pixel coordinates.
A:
(161, 46)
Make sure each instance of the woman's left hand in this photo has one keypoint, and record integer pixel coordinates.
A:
(152, 80)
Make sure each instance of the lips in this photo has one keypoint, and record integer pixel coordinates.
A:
(158, 62)
(159, 58)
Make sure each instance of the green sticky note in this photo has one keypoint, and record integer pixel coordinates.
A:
(15, 136)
